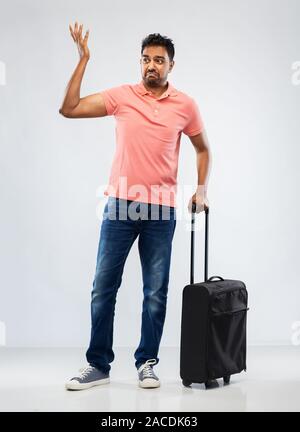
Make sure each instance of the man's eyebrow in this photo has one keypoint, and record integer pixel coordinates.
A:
(145, 55)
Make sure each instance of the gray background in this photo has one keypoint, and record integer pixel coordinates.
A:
(235, 58)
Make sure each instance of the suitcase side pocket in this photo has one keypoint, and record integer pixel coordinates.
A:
(226, 352)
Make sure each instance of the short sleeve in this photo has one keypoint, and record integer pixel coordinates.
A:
(194, 124)
(112, 99)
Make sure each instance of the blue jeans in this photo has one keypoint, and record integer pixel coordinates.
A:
(123, 221)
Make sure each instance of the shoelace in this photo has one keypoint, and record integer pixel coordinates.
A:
(85, 371)
(147, 369)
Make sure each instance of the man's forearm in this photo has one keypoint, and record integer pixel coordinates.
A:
(72, 94)
(203, 168)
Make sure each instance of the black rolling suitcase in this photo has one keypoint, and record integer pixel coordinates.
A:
(213, 325)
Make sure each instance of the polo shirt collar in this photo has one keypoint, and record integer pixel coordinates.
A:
(171, 91)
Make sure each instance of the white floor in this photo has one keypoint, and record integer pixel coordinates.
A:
(33, 380)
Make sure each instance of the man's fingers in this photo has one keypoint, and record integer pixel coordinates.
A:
(80, 32)
(199, 206)
(72, 33)
(86, 34)
(76, 31)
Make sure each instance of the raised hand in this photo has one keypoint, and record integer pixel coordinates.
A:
(81, 42)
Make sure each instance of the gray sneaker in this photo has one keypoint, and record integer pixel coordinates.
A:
(89, 376)
(147, 377)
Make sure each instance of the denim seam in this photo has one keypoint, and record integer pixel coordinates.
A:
(120, 279)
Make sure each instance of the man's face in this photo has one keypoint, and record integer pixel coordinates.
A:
(155, 60)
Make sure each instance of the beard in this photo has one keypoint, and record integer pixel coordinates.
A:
(152, 80)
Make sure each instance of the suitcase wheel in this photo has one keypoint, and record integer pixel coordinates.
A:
(211, 384)
(186, 383)
(226, 379)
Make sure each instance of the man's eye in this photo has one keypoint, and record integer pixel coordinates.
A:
(160, 61)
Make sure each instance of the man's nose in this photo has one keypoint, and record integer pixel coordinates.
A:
(151, 66)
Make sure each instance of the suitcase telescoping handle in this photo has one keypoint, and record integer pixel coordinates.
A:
(205, 243)
(193, 242)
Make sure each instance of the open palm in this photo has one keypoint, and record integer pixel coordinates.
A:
(81, 42)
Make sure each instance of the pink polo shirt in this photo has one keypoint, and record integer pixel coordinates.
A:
(148, 132)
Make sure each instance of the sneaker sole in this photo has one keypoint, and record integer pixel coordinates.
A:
(149, 383)
(78, 386)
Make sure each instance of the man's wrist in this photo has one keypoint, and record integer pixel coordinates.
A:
(201, 190)
(84, 59)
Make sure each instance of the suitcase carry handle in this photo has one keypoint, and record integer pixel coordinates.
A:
(211, 278)
(192, 243)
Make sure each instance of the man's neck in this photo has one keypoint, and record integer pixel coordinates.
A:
(157, 91)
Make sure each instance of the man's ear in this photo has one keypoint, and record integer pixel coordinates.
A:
(171, 65)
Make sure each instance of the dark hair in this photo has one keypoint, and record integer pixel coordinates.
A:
(156, 39)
